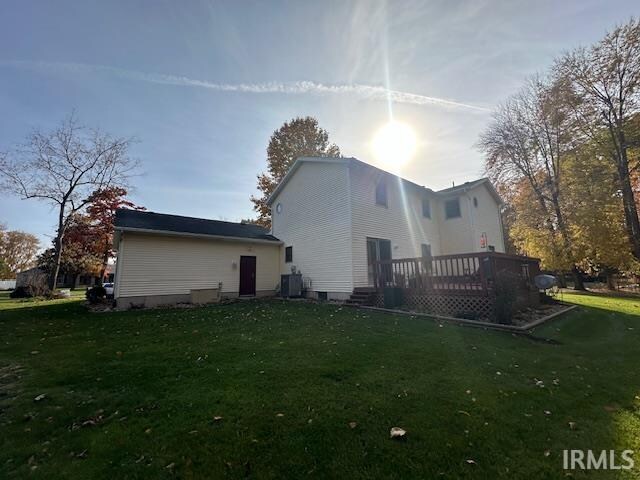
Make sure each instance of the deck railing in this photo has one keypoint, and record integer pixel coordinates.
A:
(466, 273)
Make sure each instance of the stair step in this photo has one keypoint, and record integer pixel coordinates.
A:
(364, 290)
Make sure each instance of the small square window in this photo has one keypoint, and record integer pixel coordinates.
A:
(475, 202)
(452, 208)
(426, 207)
(426, 250)
(288, 254)
(381, 193)
(322, 296)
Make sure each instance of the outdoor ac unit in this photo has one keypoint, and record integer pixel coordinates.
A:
(291, 285)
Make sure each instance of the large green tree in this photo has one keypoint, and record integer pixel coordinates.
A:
(300, 137)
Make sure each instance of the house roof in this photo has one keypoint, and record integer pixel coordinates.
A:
(151, 222)
(350, 160)
(466, 186)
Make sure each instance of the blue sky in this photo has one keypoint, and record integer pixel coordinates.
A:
(203, 84)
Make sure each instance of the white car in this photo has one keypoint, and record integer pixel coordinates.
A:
(108, 288)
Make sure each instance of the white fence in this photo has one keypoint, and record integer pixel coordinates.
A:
(7, 284)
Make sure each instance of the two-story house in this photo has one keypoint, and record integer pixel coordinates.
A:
(332, 218)
(337, 216)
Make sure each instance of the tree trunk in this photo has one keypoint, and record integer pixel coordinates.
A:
(562, 282)
(578, 282)
(611, 281)
(632, 224)
(53, 280)
(103, 270)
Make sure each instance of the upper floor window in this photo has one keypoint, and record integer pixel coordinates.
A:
(475, 202)
(452, 208)
(381, 193)
(426, 207)
(288, 254)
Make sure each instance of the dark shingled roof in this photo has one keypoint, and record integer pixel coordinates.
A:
(135, 219)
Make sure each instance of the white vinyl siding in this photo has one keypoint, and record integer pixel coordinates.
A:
(486, 218)
(169, 265)
(315, 220)
(462, 234)
(456, 234)
(401, 221)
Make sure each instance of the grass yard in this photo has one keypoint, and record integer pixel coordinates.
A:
(134, 394)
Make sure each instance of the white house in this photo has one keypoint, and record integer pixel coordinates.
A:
(331, 219)
(335, 216)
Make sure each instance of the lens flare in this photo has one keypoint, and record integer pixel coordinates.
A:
(394, 144)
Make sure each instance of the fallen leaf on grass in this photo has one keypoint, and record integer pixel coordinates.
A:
(40, 397)
(471, 462)
(217, 418)
(572, 425)
(353, 425)
(397, 432)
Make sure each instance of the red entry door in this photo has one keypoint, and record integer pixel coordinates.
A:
(247, 276)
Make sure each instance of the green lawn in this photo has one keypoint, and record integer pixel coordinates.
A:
(134, 394)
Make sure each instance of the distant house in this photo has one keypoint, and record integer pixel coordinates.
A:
(344, 224)
(35, 276)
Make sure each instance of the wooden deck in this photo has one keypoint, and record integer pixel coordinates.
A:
(463, 274)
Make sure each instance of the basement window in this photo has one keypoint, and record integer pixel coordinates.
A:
(288, 254)
(322, 295)
(452, 208)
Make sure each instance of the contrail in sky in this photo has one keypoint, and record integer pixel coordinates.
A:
(294, 88)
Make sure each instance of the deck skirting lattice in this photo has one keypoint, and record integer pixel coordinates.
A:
(471, 306)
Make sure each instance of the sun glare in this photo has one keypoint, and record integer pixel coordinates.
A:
(394, 144)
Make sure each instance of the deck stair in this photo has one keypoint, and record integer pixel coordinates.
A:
(361, 296)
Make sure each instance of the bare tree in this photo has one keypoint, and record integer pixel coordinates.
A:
(63, 167)
(605, 84)
(528, 138)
